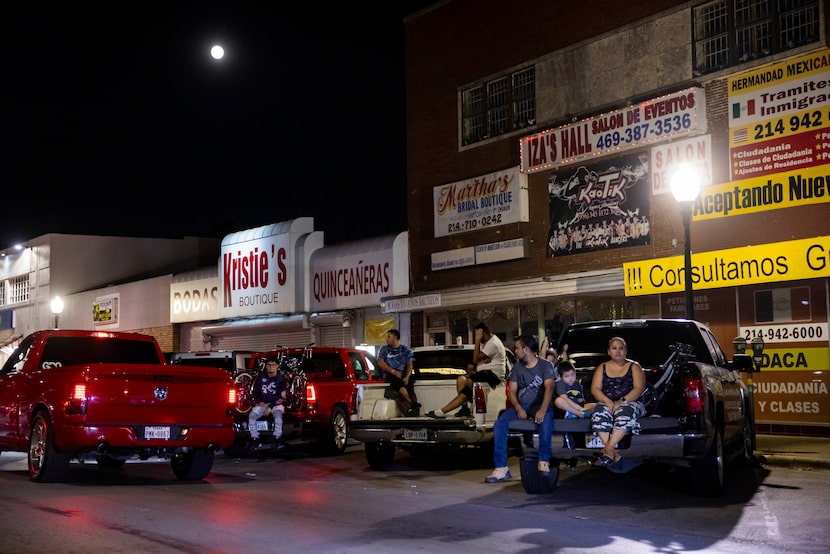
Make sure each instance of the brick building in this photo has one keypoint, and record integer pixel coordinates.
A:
(542, 138)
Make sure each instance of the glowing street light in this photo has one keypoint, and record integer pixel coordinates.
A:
(685, 186)
(57, 308)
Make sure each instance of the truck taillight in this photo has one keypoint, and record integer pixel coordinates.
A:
(311, 396)
(77, 400)
(479, 398)
(230, 406)
(693, 389)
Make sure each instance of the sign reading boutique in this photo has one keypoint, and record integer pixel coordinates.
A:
(480, 203)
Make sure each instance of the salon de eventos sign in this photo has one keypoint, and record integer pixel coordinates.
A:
(675, 115)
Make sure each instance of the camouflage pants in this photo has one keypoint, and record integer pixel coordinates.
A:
(624, 417)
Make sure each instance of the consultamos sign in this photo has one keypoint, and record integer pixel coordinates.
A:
(766, 263)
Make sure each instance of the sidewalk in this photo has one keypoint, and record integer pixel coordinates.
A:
(806, 453)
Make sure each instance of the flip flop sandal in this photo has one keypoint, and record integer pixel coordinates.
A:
(604, 460)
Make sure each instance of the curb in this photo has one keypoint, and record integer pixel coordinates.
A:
(792, 462)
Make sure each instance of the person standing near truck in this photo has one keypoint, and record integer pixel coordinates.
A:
(268, 396)
(489, 359)
(395, 360)
(530, 392)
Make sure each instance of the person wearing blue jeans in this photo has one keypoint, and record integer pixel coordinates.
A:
(530, 392)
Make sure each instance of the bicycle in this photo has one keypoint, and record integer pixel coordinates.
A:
(292, 368)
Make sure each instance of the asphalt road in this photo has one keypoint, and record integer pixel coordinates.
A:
(300, 502)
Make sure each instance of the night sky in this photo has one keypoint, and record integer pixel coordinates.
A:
(116, 120)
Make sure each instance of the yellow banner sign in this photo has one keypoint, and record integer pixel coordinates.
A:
(772, 192)
(796, 359)
(766, 263)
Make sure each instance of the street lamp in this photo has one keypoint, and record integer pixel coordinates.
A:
(685, 186)
(57, 308)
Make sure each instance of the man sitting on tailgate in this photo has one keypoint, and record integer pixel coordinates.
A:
(268, 397)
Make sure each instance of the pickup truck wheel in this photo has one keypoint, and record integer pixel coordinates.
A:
(334, 441)
(109, 463)
(707, 473)
(46, 465)
(380, 454)
(533, 481)
(746, 455)
(192, 465)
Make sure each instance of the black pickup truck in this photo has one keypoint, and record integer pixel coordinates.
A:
(699, 412)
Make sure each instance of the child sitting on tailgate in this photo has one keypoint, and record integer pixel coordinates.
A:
(568, 394)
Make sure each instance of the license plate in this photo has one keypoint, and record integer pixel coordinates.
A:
(415, 434)
(595, 442)
(261, 425)
(156, 432)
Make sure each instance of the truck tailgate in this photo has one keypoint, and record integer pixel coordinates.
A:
(178, 394)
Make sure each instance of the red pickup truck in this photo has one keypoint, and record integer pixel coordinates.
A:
(71, 394)
(321, 409)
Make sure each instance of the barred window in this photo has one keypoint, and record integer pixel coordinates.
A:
(18, 289)
(498, 107)
(728, 32)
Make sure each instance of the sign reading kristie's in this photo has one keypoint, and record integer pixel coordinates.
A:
(480, 203)
(675, 115)
(257, 269)
(766, 263)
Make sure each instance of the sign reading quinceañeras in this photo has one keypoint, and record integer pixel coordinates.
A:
(779, 117)
(672, 116)
(480, 203)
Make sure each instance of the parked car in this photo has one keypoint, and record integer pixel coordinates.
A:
(68, 394)
(382, 427)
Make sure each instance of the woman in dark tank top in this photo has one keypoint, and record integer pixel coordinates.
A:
(617, 386)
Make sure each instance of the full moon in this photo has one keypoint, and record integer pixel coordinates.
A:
(217, 52)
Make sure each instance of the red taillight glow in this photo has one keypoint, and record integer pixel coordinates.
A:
(79, 392)
(480, 399)
(77, 400)
(311, 396)
(232, 396)
(694, 395)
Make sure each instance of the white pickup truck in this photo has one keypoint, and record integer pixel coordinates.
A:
(380, 425)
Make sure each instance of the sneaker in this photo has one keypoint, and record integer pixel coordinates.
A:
(435, 415)
(463, 412)
(569, 415)
(499, 474)
(412, 412)
(544, 468)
